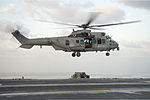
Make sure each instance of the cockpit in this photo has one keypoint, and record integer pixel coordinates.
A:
(113, 43)
(108, 37)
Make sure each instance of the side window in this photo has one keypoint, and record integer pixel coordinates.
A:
(67, 42)
(77, 41)
(81, 41)
(90, 41)
(103, 41)
(99, 41)
(94, 41)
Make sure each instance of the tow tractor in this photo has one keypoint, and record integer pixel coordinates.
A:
(79, 75)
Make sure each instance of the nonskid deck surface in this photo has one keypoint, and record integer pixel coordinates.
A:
(74, 89)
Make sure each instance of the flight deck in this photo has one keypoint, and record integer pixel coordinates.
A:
(46, 89)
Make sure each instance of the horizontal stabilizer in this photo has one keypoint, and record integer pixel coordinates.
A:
(26, 46)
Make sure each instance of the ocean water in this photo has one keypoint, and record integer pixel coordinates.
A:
(63, 75)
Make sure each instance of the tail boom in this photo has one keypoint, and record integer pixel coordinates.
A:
(29, 43)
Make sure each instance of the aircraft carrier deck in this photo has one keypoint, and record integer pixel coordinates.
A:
(37, 89)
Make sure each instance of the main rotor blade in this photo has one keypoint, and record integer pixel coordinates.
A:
(57, 22)
(97, 28)
(92, 17)
(66, 28)
(115, 24)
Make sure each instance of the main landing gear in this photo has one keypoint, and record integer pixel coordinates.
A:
(107, 54)
(78, 54)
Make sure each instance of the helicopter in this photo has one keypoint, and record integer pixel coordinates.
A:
(83, 40)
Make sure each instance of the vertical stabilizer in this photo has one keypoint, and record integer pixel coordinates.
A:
(22, 39)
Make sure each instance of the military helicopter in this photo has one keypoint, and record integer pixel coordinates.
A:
(83, 40)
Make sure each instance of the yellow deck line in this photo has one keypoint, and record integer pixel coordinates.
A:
(112, 90)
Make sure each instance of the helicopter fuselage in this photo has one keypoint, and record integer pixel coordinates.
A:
(78, 41)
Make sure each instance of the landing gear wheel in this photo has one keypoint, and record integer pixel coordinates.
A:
(73, 54)
(107, 54)
(78, 54)
(118, 48)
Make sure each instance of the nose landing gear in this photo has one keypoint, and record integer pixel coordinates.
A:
(118, 48)
(78, 54)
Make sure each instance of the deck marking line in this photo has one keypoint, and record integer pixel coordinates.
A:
(111, 90)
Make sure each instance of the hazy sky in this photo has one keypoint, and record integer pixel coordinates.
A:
(134, 39)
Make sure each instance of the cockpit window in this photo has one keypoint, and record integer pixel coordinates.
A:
(108, 37)
(103, 34)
